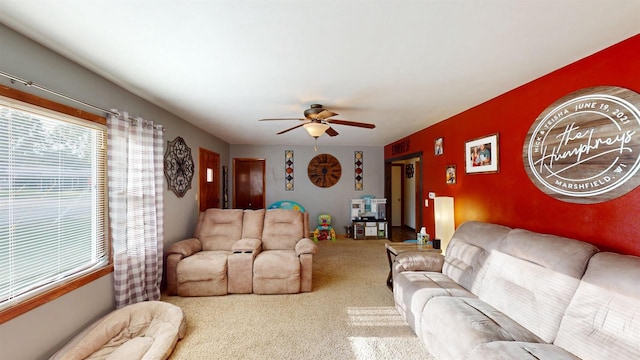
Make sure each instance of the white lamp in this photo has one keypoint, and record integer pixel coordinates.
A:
(444, 219)
(315, 129)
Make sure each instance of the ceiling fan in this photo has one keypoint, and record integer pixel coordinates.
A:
(317, 121)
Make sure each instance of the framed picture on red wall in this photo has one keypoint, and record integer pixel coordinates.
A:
(439, 147)
(481, 155)
(450, 175)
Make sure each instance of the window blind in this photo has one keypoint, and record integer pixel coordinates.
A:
(52, 199)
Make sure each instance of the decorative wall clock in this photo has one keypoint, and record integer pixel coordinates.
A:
(324, 170)
(178, 166)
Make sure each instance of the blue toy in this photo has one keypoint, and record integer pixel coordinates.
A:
(286, 204)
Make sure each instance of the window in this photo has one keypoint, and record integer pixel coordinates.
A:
(53, 227)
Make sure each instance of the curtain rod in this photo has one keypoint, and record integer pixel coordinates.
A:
(28, 83)
(34, 85)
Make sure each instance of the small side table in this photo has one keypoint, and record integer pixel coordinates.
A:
(395, 248)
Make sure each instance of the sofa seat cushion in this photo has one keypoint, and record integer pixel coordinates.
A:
(203, 274)
(509, 350)
(276, 272)
(452, 327)
(603, 318)
(413, 289)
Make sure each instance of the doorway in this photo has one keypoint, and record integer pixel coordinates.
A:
(209, 179)
(397, 194)
(249, 183)
(404, 175)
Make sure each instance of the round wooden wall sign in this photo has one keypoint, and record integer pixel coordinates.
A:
(324, 170)
(585, 147)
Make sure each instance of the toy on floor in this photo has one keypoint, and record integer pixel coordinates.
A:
(324, 231)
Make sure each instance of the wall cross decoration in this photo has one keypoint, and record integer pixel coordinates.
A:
(359, 171)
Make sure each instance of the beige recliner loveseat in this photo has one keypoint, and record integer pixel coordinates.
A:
(237, 251)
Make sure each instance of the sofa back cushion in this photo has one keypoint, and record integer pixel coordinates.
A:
(531, 278)
(252, 224)
(220, 228)
(468, 250)
(603, 318)
(282, 229)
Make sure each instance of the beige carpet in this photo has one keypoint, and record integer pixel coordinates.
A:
(348, 315)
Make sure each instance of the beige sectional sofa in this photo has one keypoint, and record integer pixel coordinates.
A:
(502, 293)
(235, 251)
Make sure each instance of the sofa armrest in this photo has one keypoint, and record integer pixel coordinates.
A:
(185, 248)
(419, 261)
(247, 246)
(306, 246)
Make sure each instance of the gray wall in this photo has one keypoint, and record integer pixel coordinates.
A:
(36, 334)
(333, 200)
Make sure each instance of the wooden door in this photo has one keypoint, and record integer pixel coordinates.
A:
(249, 183)
(209, 179)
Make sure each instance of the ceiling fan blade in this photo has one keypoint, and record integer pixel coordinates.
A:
(351, 123)
(289, 129)
(325, 114)
(282, 119)
(331, 132)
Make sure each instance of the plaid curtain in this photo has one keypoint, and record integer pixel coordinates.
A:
(135, 173)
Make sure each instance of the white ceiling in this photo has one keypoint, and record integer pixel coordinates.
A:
(401, 65)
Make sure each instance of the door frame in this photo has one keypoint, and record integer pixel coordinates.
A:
(419, 193)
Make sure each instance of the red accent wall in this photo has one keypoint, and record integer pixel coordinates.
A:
(509, 197)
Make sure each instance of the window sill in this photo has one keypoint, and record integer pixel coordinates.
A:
(53, 294)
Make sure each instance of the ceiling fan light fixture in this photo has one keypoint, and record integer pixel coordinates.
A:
(315, 129)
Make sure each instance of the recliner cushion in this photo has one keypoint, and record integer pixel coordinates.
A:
(282, 229)
(413, 289)
(203, 274)
(452, 327)
(510, 350)
(221, 228)
(532, 277)
(276, 272)
(468, 250)
(603, 318)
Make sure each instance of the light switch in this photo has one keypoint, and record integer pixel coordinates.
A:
(426, 202)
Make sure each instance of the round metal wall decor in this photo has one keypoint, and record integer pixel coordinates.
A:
(585, 147)
(324, 170)
(178, 166)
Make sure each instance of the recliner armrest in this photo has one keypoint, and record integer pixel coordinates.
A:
(306, 246)
(185, 248)
(419, 261)
(246, 246)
